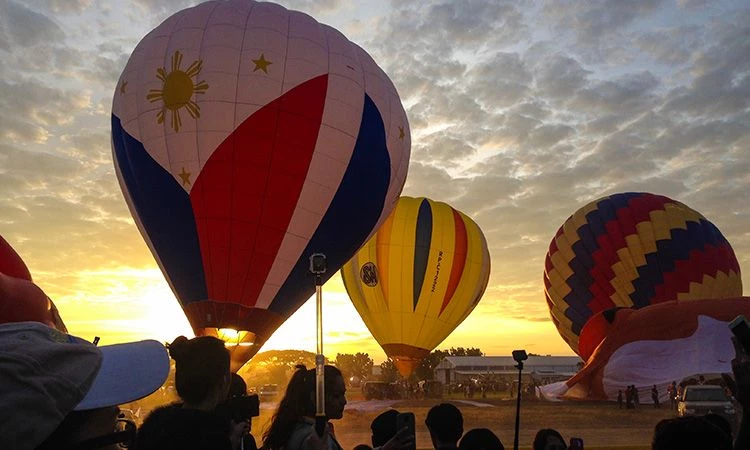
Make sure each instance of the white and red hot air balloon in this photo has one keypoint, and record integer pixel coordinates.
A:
(245, 138)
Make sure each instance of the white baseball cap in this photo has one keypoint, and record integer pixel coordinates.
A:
(45, 374)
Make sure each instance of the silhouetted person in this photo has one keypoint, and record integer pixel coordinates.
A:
(628, 397)
(689, 432)
(293, 425)
(446, 425)
(384, 427)
(202, 379)
(672, 393)
(387, 436)
(721, 422)
(655, 396)
(548, 439)
(741, 389)
(619, 398)
(480, 439)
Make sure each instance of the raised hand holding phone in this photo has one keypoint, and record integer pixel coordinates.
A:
(405, 424)
(575, 444)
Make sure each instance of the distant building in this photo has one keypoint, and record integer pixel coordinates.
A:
(540, 369)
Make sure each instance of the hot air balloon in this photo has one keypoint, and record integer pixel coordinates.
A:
(418, 278)
(633, 250)
(246, 137)
(656, 345)
(10, 263)
(20, 299)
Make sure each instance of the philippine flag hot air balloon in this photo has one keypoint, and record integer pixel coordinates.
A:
(633, 250)
(245, 138)
(418, 278)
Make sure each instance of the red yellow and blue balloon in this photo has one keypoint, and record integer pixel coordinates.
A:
(418, 278)
(245, 138)
(633, 250)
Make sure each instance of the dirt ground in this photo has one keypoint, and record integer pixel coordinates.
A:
(601, 425)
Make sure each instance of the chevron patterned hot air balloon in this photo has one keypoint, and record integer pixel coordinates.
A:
(633, 250)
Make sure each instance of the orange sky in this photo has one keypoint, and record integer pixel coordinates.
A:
(124, 305)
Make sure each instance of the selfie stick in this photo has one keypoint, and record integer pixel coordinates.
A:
(519, 366)
(318, 268)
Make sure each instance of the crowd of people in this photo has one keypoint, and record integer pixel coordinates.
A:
(61, 392)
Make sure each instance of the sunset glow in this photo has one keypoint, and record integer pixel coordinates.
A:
(519, 114)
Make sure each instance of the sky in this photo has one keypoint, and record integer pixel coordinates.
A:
(520, 113)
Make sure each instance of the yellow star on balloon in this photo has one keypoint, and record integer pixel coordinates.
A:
(185, 175)
(261, 63)
(123, 86)
(401, 133)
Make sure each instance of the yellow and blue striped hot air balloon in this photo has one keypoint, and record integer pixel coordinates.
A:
(418, 278)
(632, 250)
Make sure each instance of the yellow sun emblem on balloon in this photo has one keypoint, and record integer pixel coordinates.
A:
(177, 90)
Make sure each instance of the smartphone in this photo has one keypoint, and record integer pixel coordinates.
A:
(406, 420)
(576, 444)
(741, 330)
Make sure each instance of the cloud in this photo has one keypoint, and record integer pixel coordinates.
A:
(500, 81)
(594, 23)
(24, 27)
(38, 103)
(559, 76)
(429, 181)
(721, 83)
(61, 6)
(314, 6)
(629, 93)
(670, 46)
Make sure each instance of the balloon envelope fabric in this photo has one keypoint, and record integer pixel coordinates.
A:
(245, 138)
(418, 278)
(633, 250)
(656, 345)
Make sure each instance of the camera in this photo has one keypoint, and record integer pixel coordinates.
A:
(520, 356)
(239, 408)
(318, 263)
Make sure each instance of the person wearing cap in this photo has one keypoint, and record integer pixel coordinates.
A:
(61, 392)
(202, 379)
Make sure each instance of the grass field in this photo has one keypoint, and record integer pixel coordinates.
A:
(601, 425)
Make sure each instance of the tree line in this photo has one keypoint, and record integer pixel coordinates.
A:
(277, 366)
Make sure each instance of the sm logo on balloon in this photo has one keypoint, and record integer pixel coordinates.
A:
(369, 274)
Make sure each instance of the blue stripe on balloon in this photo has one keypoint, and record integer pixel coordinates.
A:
(422, 240)
(620, 201)
(164, 209)
(579, 281)
(583, 262)
(678, 247)
(606, 211)
(352, 215)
